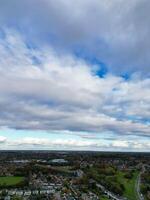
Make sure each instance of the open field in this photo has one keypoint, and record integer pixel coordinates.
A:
(103, 197)
(10, 180)
(117, 179)
(63, 168)
(129, 185)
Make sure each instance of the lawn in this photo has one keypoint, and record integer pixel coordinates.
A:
(103, 197)
(129, 185)
(10, 180)
(63, 168)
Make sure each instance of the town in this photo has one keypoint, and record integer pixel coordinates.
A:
(74, 175)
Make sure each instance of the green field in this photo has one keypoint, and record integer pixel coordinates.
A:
(10, 180)
(119, 178)
(129, 185)
(104, 197)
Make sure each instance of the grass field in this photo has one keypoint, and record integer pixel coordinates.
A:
(129, 185)
(10, 180)
(104, 198)
(63, 168)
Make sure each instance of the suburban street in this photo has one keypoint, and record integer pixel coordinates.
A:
(138, 183)
(110, 194)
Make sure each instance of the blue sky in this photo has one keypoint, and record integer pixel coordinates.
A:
(75, 76)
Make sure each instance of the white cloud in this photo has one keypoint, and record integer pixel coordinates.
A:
(3, 139)
(74, 144)
(120, 143)
(116, 32)
(63, 92)
(131, 145)
(44, 86)
(33, 142)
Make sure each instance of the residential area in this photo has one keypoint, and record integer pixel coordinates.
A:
(74, 175)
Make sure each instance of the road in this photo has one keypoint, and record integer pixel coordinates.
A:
(137, 188)
(138, 183)
(110, 194)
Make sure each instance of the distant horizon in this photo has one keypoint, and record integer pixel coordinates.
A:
(82, 151)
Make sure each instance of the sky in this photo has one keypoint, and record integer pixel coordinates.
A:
(75, 75)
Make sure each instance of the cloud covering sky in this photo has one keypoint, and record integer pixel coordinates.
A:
(75, 75)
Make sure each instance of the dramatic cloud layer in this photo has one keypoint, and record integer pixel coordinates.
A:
(115, 32)
(43, 90)
(81, 68)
